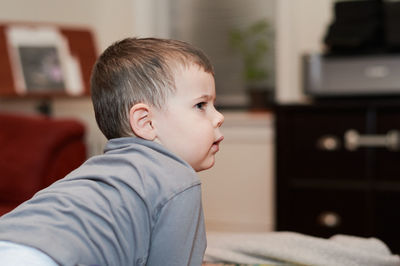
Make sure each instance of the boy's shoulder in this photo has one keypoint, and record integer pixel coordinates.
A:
(148, 156)
(134, 164)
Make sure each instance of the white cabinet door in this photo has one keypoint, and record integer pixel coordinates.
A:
(238, 191)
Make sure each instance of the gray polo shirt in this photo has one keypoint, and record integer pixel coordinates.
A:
(137, 204)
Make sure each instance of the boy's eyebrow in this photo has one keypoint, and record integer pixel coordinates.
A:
(206, 97)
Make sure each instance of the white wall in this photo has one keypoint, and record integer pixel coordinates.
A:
(301, 25)
(110, 20)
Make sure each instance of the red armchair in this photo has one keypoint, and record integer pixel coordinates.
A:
(35, 151)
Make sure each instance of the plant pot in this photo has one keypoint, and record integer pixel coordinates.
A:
(260, 98)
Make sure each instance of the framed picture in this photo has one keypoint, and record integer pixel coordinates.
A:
(41, 68)
(41, 61)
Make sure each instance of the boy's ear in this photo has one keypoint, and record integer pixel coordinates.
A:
(140, 121)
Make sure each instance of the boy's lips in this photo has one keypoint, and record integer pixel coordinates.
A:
(216, 143)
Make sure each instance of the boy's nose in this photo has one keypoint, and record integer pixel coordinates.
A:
(219, 120)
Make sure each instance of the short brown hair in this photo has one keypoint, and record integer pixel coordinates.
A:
(137, 70)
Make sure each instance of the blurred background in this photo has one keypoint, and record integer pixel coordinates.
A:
(243, 180)
(267, 54)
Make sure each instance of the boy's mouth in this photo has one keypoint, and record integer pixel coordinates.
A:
(216, 143)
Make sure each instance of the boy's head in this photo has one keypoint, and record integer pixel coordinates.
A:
(135, 71)
(159, 90)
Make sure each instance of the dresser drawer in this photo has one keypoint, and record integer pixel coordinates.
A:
(387, 218)
(315, 144)
(325, 212)
(388, 158)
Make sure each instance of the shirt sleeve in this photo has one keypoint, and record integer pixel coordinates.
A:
(20, 255)
(179, 237)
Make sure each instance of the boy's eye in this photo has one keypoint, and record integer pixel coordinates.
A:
(200, 105)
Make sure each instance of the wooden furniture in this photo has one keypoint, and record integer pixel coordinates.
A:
(338, 169)
(81, 44)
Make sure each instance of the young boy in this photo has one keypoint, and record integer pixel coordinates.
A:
(139, 203)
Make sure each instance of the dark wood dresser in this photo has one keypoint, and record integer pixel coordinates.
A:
(338, 169)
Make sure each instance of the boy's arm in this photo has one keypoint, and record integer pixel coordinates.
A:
(179, 234)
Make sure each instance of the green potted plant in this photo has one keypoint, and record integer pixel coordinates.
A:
(253, 45)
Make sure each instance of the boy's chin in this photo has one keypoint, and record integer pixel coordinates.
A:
(204, 166)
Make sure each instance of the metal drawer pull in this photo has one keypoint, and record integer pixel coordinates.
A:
(353, 140)
(328, 143)
(329, 219)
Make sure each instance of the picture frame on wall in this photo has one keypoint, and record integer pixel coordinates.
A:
(41, 68)
(41, 62)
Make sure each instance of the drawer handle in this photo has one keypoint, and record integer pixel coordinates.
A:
(329, 219)
(328, 143)
(353, 140)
